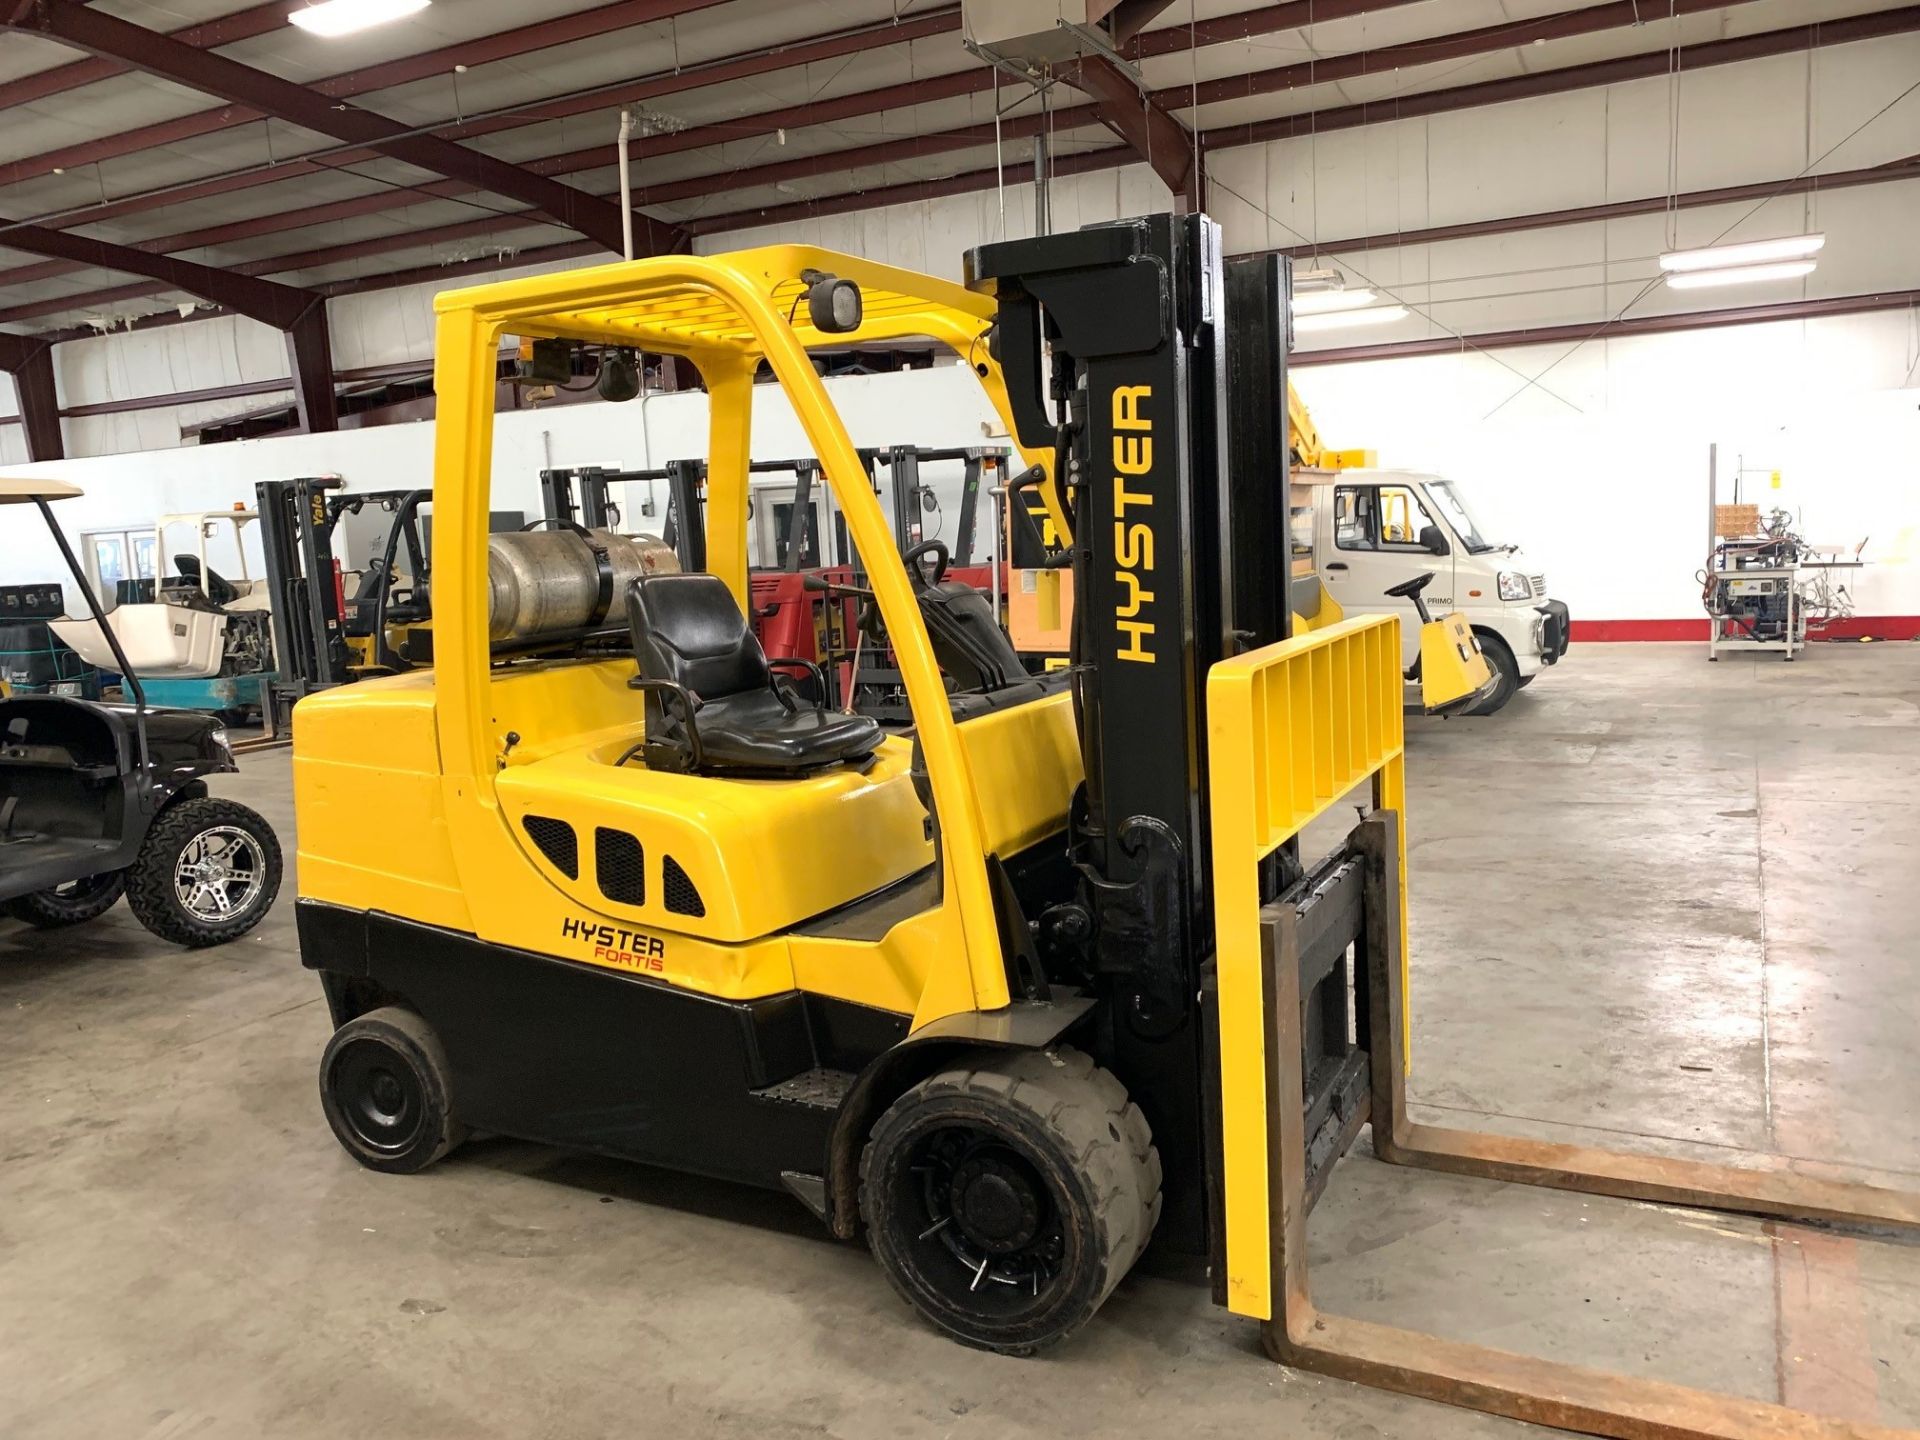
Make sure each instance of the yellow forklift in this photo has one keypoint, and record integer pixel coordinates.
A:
(1015, 993)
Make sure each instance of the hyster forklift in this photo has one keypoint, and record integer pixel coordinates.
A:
(1012, 994)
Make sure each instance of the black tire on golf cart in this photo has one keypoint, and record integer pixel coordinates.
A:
(1006, 1199)
(207, 873)
(1506, 672)
(69, 904)
(387, 1093)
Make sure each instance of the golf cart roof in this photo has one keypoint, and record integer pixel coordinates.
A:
(17, 491)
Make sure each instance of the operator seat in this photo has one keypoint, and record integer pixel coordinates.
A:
(714, 706)
(220, 590)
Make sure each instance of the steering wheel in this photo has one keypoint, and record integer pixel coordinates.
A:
(1407, 589)
(935, 548)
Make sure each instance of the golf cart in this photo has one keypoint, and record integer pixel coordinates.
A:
(100, 800)
(199, 640)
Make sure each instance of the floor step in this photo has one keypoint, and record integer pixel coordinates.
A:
(816, 1089)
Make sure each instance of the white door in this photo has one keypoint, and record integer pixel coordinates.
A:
(1377, 544)
(111, 556)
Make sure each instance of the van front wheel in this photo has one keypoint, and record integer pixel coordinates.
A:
(1506, 672)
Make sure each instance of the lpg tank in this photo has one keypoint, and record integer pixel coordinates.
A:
(547, 582)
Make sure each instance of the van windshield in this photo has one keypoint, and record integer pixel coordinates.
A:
(1454, 506)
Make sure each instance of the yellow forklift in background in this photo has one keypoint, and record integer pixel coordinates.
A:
(1016, 994)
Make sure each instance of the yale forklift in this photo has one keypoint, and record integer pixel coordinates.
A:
(1015, 993)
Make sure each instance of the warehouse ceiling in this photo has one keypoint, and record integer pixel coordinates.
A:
(233, 142)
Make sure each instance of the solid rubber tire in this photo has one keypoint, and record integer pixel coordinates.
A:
(1506, 672)
(1090, 1142)
(411, 1043)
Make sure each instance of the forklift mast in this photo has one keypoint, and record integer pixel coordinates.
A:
(1169, 580)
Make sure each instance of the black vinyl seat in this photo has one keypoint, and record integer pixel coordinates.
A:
(714, 705)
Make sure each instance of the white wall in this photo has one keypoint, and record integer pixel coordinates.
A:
(1600, 469)
(934, 408)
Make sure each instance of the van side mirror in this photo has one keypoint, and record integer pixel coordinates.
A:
(1434, 541)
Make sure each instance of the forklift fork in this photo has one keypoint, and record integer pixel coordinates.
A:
(1294, 931)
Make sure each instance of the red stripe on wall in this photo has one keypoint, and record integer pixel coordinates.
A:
(1857, 627)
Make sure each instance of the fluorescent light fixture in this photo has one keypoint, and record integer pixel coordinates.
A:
(1379, 315)
(343, 17)
(1325, 302)
(1753, 252)
(1739, 275)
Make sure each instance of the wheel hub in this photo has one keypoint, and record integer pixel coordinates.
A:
(996, 1204)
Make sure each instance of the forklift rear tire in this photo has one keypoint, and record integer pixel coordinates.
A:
(1506, 672)
(207, 872)
(1005, 1200)
(69, 904)
(385, 1089)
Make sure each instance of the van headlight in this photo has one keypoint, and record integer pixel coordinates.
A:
(1514, 586)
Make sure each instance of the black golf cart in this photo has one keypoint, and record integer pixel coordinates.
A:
(99, 800)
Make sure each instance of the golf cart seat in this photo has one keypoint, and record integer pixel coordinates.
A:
(714, 705)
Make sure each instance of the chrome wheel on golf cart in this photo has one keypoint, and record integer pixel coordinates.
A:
(220, 874)
(208, 873)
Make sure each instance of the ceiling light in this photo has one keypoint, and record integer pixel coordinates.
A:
(1752, 252)
(1739, 275)
(1380, 315)
(1326, 302)
(343, 17)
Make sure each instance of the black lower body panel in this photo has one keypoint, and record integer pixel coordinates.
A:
(576, 1055)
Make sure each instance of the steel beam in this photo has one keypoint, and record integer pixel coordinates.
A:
(207, 35)
(105, 35)
(264, 300)
(310, 363)
(1462, 45)
(29, 359)
(1617, 329)
(1220, 30)
(1139, 119)
(1760, 45)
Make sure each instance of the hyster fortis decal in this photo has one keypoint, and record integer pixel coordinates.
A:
(615, 946)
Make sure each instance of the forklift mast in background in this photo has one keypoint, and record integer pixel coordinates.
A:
(309, 627)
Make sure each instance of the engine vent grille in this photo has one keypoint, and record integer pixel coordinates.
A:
(555, 840)
(620, 864)
(683, 896)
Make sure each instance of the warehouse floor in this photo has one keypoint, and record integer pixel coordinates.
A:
(1656, 903)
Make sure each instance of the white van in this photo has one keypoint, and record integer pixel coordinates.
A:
(1369, 530)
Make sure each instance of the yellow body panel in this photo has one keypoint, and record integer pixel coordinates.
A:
(413, 790)
(1326, 610)
(366, 786)
(764, 854)
(1452, 669)
(1293, 728)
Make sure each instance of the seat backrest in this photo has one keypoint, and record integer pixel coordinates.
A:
(967, 638)
(688, 629)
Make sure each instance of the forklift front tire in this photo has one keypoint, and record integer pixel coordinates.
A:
(1005, 1200)
(70, 904)
(385, 1089)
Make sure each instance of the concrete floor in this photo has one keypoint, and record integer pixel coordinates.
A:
(1656, 903)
